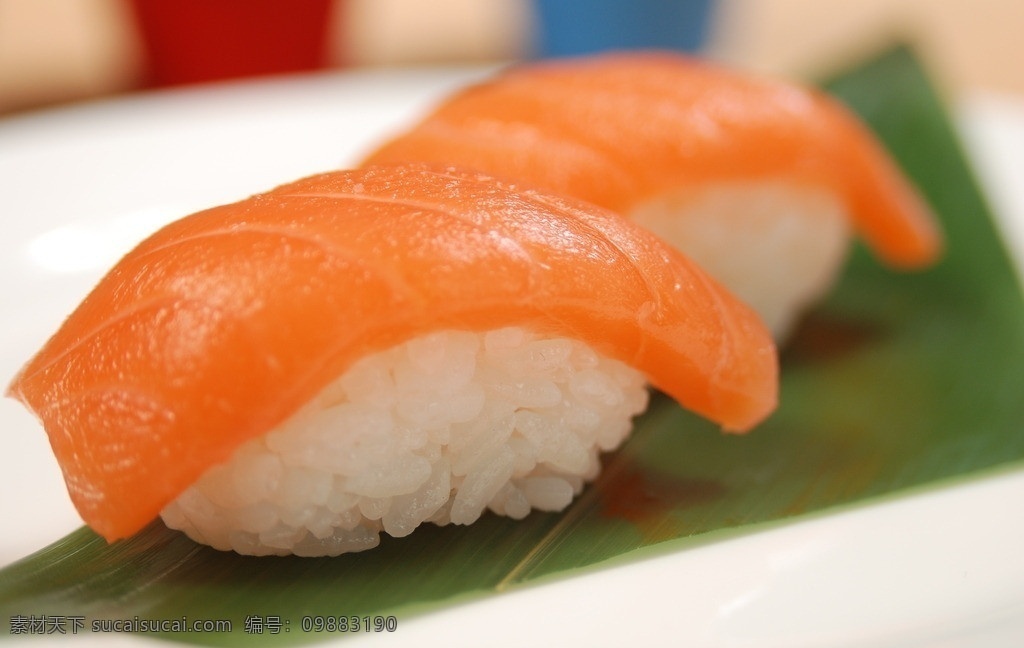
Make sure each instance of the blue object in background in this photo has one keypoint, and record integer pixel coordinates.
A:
(574, 27)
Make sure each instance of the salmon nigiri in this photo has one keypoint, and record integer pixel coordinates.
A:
(760, 182)
(367, 350)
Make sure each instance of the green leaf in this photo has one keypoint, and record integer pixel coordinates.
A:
(897, 381)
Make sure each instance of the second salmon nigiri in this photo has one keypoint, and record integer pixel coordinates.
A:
(363, 351)
(760, 182)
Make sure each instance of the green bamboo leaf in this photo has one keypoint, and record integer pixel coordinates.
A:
(897, 381)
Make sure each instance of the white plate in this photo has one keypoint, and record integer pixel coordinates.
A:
(81, 186)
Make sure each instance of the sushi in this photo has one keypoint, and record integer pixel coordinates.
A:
(761, 182)
(364, 351)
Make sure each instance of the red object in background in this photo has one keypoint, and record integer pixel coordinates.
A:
(191, 41)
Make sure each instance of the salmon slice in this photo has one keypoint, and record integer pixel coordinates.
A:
(619, 130)
(761, 183)
(223, 324)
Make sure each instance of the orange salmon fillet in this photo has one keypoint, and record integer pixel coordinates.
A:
(619, 129)
(221, 325)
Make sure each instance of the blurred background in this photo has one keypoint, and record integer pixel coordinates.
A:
(57, 51)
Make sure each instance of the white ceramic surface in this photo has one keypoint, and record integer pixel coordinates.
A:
(82, 185)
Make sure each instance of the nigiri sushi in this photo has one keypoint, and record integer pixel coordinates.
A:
(365, 351)
(759, 181)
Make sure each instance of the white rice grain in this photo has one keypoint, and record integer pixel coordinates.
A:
(439, 429)
(777, 245)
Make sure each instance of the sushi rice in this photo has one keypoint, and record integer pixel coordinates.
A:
(438, 429)
(787, 241)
